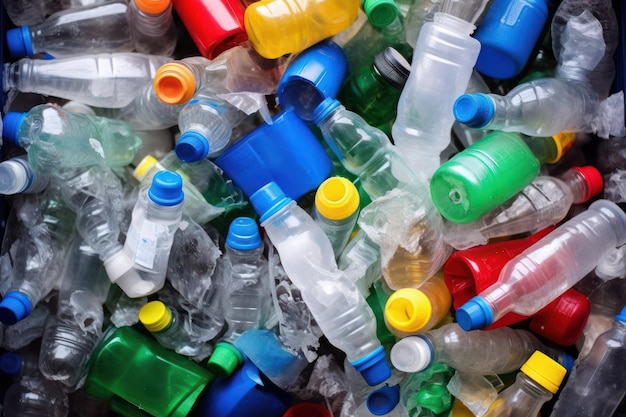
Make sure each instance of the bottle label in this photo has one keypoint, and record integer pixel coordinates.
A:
(142, 242)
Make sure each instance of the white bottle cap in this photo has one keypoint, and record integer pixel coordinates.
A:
(13, 177)
(411, 354)
(121, 271)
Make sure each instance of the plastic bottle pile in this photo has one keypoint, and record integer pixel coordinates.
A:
(280, 208)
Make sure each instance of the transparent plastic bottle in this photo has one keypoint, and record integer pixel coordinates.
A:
(596, 386)
(34, 12)
(336, 210)
(539, 379)
(420, 12)
(154, 30)
(360, 262)
(496, 351)
(335, 302)
(56, 139)
(101, 80)
(35, 397)
(443, 60)
(542, 203)
(538, 275)
(19, 364)
(18, 176)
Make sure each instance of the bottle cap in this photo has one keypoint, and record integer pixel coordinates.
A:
(243, 234)
(337, 198)
(144, 166)
(474, 314)
(622, 315)
(19, 42)
(307, 409)
(155, 316)
(545, 371)
(192, 146)
(10, 363)
(380, 13)
(373, 367)
(224, 360)
(153, 6)
(166, 188)
(325, 107)
(268, 200)
(562, 143)
(174, 83)
(411, 354)
(593, 179)
(14, 307)
(13, 177)
(433, 397)
(393, 67)
(11, 124)
(408, 310)
(383, 400)
(474, 110)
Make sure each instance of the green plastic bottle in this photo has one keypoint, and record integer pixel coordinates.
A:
(140, 378)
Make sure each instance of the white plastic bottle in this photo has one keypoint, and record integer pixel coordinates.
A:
(153, 26)
(18, 176)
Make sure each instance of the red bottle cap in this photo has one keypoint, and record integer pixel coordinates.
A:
(307, 410)
(593, 178)
(563, 320)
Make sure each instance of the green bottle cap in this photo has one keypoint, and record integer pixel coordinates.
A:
(224, 360)
(434, 397)
(380, 13)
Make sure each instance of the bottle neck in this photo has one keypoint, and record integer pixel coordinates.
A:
(575, 181)
(454, 23)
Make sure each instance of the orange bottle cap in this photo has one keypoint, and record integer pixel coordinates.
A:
(153, 6)
(174, 83)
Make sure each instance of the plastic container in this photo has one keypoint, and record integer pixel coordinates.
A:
(18, 176)
(154, 30)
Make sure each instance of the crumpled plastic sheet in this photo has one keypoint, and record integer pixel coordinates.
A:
(25, 331)
(477, 392)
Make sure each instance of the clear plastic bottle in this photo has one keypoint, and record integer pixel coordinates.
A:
(19, 364)
(154, 30)
(178, 81)
(538, 275)
(420, 12)
(101, 80)
(360, 262)
(34, 12)
(443, 60)
(336, 210)
(35, 397)
(496, 351)
(18, 176)
(539, 379)
(56, 139)
(596, 386)
(335, 302)
(544, 202)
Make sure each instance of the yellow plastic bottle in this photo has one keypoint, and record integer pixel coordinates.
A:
(279, 27)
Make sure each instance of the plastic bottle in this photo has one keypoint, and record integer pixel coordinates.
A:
(156, 216)
(35, 397)
(245, 298)
(480, 178)
(33, 12)
(443, 59)
(411, 311)
(532, 279)
(496, 351)
(55, 139)
(101, 80)
(542, 203)
(19, 364)
(360, 262)
(279, 27)
(154, 30)
(539, 379)
(596, 386)
(178, 81)
(335, 302)
(366, 152)
(18, 176)
(419, 12)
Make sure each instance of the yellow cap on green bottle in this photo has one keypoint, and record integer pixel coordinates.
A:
(408, 310)
(155, 316)
(545, 371)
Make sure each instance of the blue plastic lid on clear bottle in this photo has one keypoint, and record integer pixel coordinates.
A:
(268, 200)
(474, 314)
(373, 367)
(19, 42)
(474, 110)
(383, 400)
(11, 123)
(192, 146)
(314, 75)
(14, 307)
(325, 107)
(166, 188)
(243, 234)
(10, 363)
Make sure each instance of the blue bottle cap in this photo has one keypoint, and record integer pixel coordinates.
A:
(268, 200)
(566, 361)
(474, 110)
(383, 400)
(10, 363)
(325, 107)
(166, 188)
(19, 42)
(474, 314)
(314, 75)
(192, 146)
(622, 315)
(14, 307)
(243, 234)
(373, 367)
(11, 124)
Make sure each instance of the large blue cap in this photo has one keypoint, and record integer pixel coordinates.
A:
(383, 400)
(11, 124)
(166, 188)
(268, 200)
(243, 234)
(373, 367)
(474, 314)
(192, 146)
(474, 110)
(19, 42)
(10, 363)
(14, 307)
(314, 75)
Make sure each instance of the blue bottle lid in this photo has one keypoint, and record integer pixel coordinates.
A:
(622, 315)
(566, 361)
(19, 42)
(243, 234)
(268, 200)
(383, 400)
(474, 314)
(14, 307)
(166, 188)
(11, 124)
(373, 367)
(192, 146)
(474, 110)
(10, 363)
(325, 107)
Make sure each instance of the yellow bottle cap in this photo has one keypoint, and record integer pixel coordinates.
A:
(174, 83)
(408, 310)
(563, 142)
(144, 166)
(153, 6)
(337, 198)
(155, 316)
(545, 371)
